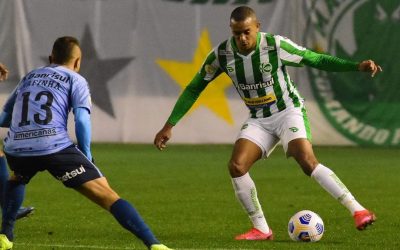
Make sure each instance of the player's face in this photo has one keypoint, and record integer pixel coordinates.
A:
(245, 34)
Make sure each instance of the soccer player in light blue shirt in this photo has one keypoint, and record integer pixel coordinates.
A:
(37, 114)
(40, 105)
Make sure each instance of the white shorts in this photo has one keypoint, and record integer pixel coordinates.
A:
(287, 125)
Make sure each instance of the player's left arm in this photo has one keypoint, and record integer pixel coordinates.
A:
(369, 66)
(332, 63)
(295, 55)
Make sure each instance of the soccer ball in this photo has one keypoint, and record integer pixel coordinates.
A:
(306, 226)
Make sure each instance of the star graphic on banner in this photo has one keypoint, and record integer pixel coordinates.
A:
(213, 97)
(98, 72)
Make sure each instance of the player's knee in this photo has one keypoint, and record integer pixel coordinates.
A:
(307, 162)
(100, 192)
(236, 169)
(107, 198)
(18, 179)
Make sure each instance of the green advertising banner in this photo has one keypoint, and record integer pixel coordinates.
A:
(365, 110)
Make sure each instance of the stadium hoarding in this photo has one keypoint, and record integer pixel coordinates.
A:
(139, 55)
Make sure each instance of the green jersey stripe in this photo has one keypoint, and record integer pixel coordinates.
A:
(273, 56)
(306, 124)
(222, 58)
(264, 67)
(258, 78)
(291, 88)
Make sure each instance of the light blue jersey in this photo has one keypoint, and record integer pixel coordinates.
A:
(40, 105)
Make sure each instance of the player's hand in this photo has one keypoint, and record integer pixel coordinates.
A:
(160, 141)
(369, 66)
(3, 72)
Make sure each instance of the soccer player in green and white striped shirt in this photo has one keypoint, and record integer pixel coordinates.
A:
(257, 64)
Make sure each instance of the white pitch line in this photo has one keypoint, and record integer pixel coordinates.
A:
(73, 246)
(113, 248)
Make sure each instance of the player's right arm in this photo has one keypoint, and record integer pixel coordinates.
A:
(182, 106)
(81, 104)
(83, 130)
(209, 71)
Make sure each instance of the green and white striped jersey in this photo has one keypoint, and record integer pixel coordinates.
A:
(261, 77)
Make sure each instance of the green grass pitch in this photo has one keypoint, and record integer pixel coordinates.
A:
(184, 193)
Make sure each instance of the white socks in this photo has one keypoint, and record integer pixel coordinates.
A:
(332, 184)
(246, 193)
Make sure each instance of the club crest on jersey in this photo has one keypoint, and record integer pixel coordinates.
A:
(265, 67)
(369, 113)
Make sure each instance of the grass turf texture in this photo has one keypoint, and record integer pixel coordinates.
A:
(184, 193)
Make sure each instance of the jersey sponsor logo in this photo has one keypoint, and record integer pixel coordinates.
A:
(31, 134)
(70, 175)
(256, 86)
(209, 69)
(294, 129)
(365, 110)
(54, 75)
(244, 126)
(223, 52)
(268, 47)
(265, 67)
(259, 102)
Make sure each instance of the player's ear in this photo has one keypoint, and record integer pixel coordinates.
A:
(77, 64)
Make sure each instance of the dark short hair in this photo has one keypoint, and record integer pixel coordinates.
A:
(241, 13)
(62, 49)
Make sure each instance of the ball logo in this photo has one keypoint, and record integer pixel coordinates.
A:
(365, 110)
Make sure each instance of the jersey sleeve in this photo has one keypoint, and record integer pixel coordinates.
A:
(80, 94)
(83, 130)
(294, 55)
(208, 72)
(9, 105)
